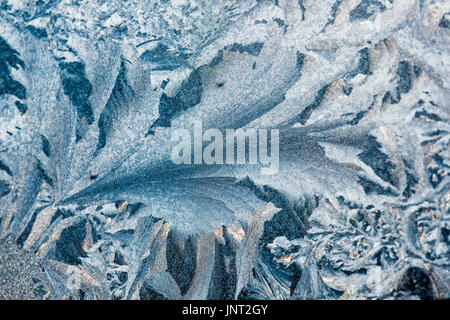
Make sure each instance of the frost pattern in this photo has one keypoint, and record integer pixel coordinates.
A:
(91, 91)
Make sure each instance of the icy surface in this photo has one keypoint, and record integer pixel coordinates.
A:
(91, 91)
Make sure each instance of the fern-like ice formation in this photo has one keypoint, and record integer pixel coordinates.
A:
(91, 92)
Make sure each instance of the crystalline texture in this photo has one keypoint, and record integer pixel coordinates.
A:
(92, 91)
